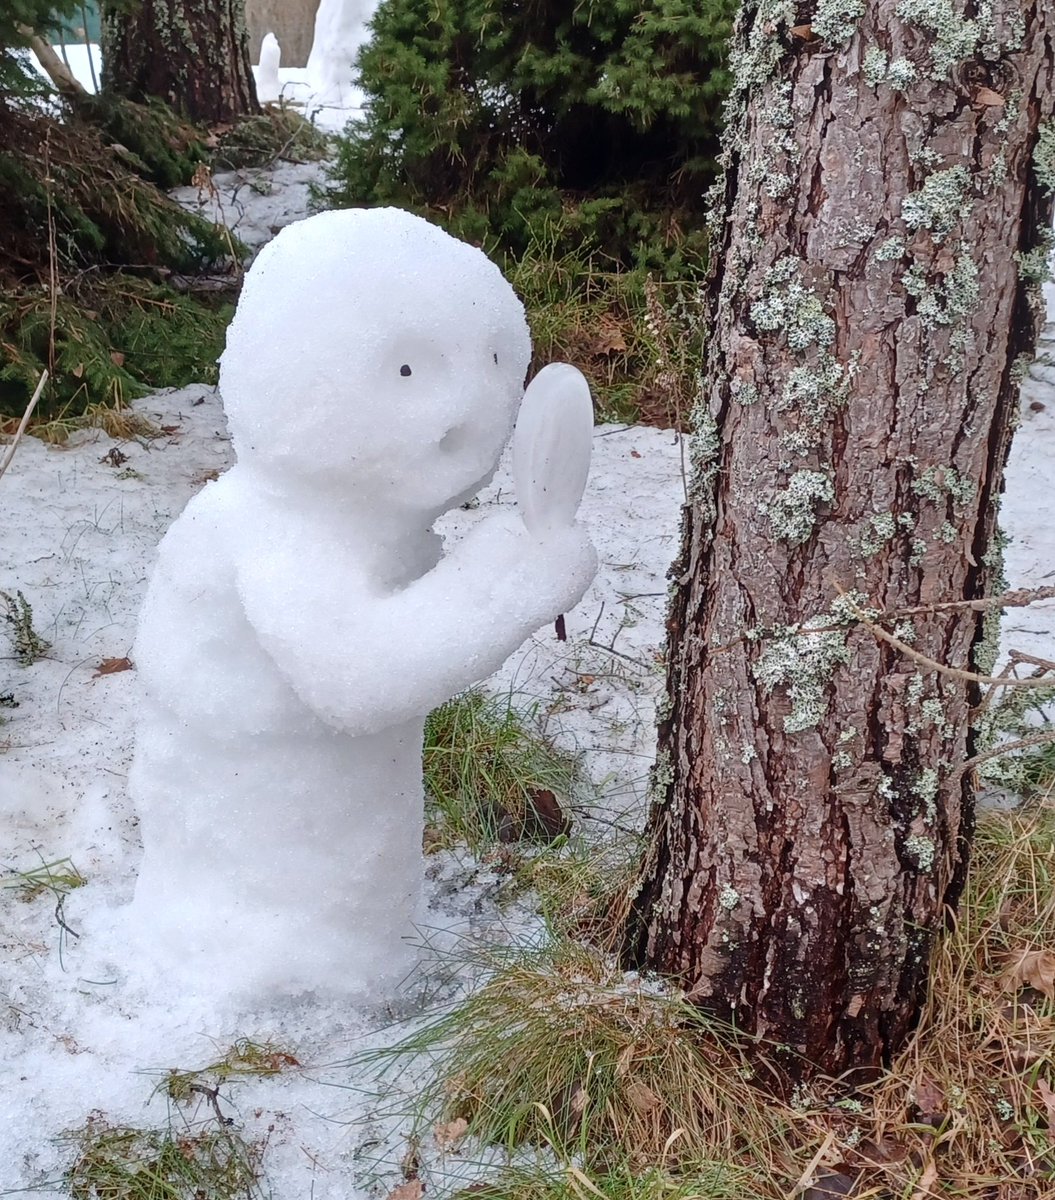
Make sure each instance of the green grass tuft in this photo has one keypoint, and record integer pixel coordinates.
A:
(246, 1059)
(209, 1161)
(490, 775)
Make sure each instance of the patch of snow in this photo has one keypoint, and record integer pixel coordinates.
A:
(256, 202)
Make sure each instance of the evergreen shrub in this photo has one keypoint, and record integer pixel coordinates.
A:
(601, 119)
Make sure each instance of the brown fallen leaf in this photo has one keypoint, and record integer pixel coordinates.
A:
(413, 1189)
(930, 1101)
(111, 666)
(803, 32)
(1030, 968)
(117, 358)
(448, 1134)
(833, 1184)
(609, 340)
(642, 1098)
(635, 453)
(77, 371)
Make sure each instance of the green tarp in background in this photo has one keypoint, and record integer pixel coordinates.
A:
(87, 19)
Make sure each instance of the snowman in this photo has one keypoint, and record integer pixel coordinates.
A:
(303, 617)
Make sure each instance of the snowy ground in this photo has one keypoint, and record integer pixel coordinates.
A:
(81, 529)
(81, 523)
(82, 534)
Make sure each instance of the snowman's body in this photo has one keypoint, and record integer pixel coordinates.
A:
(303, 618)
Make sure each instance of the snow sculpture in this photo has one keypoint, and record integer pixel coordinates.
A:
(268, 87)
(303, 618)
(340, 29)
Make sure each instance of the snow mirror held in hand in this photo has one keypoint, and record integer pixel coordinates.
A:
(303, 618)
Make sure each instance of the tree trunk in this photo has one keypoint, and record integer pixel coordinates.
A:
(874, 301)
(193, 54)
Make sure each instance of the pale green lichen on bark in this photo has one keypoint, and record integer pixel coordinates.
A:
(874, 66)
(948, 302)
(802, 659)
(836, 21)
(954, 37)
(897, 73)
(939, 204)
(922, 850)
(1035, 265)
(891, 250)
(880, 529)
(814, 393)
(792, 511)
(937, 483)
(1044, 156)
(901, 74)
(987, 648)
(789, 307)
(704, 445)
(926, 788)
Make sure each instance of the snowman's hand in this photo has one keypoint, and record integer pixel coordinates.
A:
(543, 573)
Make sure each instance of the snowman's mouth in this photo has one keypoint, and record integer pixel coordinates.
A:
(454, 439)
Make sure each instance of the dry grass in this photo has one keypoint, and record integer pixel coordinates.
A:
(638, 341)
(207, 1161)
(114, 419)
(559, 1049)
(972, 1099)
(632, 1093)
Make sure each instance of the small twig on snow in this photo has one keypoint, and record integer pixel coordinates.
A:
(24, 422)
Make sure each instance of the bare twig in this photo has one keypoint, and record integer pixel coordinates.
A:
(933, 663)
(1034, 739)
(24, 422)
(1018, 656)
(1017, 598)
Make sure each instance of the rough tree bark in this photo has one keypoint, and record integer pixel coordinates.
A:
(880, 234)
(193, 54)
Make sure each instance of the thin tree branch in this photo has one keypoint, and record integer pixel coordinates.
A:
(933, 664)
(1034, 739)
(24, 422)
(1017, 598)
(57, 71)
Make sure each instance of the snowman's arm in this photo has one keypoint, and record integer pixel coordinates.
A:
(364, 662)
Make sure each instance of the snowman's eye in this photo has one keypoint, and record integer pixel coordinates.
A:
(405, 370)
(495, 357)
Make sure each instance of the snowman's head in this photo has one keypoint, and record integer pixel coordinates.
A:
(377, 357)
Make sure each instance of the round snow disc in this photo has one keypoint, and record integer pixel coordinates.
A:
(552, 444)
